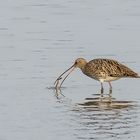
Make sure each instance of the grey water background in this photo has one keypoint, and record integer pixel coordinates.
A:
(38, 41)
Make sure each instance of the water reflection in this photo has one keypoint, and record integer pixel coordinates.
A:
(101, 119)
(57, 92)
(112, 120)
(107, 103)
(98, 100)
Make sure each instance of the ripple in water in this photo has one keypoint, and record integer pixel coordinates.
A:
(105, 120)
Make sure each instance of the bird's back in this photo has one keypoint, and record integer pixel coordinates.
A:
(103, 68)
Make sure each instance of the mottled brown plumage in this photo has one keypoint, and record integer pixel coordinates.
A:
(103, 70)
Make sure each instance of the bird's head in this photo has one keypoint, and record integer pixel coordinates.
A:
(79, 63)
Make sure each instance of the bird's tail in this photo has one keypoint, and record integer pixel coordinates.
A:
(137, 76)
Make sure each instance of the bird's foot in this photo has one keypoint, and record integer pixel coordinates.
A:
(102, 91)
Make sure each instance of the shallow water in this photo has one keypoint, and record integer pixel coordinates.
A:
(38, 41)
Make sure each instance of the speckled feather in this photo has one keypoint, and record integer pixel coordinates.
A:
(102, 68)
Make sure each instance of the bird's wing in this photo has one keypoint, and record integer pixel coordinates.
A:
(113, 68)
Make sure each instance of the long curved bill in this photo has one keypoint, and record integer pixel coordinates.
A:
(60, 77)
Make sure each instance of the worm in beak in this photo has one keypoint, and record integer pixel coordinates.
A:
(56, 83)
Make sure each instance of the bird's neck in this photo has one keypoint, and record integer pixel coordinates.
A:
(82, 69)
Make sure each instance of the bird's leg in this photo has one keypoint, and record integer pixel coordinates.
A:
(102, 89)
(110, 92)
(110, 87)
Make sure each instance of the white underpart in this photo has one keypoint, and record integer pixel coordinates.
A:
(108, 79)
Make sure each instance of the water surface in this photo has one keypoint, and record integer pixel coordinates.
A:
(38, 41)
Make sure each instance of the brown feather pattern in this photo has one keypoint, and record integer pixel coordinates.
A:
(101, 68)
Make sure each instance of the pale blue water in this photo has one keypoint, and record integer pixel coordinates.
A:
(41, 39)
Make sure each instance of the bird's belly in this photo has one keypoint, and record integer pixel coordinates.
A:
(109, 78)
(105, 79)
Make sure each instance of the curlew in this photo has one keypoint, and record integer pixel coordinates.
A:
(102, 70)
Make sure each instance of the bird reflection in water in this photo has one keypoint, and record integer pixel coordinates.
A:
(105, 121)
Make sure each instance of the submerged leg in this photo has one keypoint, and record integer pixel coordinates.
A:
(110, 92)
(110, 87)
(102, 89)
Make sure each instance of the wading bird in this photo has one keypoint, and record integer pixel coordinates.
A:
(102, 70)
